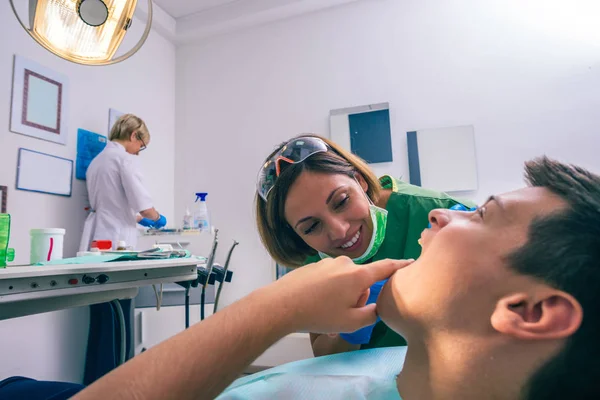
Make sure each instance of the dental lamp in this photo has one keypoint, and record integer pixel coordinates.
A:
(87, 32)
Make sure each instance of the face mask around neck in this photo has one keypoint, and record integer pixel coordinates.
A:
(379, 220)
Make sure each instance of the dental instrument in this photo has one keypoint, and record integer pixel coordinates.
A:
(209, 265)
(222, 282)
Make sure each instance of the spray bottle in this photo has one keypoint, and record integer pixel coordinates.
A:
(201, 217)
(188, 220)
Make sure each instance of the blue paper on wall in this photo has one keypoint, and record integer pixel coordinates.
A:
(89, 145)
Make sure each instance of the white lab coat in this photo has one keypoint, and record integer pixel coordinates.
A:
(116, 195)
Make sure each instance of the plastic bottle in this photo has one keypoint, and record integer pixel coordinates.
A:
(6, 253)
(188, 220)
(201, 218)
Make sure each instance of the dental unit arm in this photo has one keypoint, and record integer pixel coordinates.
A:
(223, 273)
(209, 266)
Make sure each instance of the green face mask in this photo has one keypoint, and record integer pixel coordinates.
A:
(379, 218)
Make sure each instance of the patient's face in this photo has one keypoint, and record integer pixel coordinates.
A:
(462, 270)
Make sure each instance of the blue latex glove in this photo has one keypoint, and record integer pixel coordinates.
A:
(160, 222)
(458, 207)
(148, 223)
(363, 335)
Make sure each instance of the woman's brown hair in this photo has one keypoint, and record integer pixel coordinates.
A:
(283, 244)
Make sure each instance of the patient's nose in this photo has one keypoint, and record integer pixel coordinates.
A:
(439, 218)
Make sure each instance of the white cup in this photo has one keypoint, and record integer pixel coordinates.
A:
(46, 245)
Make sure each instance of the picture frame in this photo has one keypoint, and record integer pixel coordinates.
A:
(431, 151)
(40, 101)
(113, 116)
(364, 131)
(44, 173)
(3, 199)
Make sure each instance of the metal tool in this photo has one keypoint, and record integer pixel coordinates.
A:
(235, 243)
(209, 266)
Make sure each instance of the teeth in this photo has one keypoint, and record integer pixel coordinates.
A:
(352, 241)
(420, 241)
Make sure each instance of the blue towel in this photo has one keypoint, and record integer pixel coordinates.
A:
(363, 374)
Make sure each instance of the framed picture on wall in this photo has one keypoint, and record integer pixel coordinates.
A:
(3, 199)
(431, 151)
(39, 101)
(44, 173)
(113, 116)
(364, 131)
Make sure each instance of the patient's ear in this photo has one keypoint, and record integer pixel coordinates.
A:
(543, 314)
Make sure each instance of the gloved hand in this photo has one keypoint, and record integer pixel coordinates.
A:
(148, 223)
(363, 335)
(160, 222)
(460, 207)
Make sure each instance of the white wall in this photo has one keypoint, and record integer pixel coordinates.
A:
(53, 345)
(526, 76)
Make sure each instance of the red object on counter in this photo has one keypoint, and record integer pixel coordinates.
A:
(102, 244)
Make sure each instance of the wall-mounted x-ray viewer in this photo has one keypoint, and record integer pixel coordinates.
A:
(364, 130)
(443, 159)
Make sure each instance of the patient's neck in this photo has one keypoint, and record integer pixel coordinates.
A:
(461, 368)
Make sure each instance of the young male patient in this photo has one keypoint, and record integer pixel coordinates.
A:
(502, 304)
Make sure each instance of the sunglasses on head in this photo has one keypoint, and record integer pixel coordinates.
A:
(293, 152)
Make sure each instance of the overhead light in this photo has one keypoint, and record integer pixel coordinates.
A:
(93, 12)
(83, 31)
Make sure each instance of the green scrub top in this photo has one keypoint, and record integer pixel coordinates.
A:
(408, 215)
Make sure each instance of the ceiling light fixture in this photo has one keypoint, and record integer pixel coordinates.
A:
(85, 32)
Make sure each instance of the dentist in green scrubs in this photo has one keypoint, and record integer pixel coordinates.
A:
(316, 200)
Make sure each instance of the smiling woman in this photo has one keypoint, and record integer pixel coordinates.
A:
(315, 200)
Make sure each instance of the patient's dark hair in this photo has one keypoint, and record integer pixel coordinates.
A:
(563, 250)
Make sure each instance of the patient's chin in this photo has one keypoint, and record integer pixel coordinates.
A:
(386, 306)
(390, 306)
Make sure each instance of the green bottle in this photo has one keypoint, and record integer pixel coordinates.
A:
(6, 254)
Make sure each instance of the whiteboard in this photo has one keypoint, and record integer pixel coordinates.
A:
(44, 173)
(447, 158)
